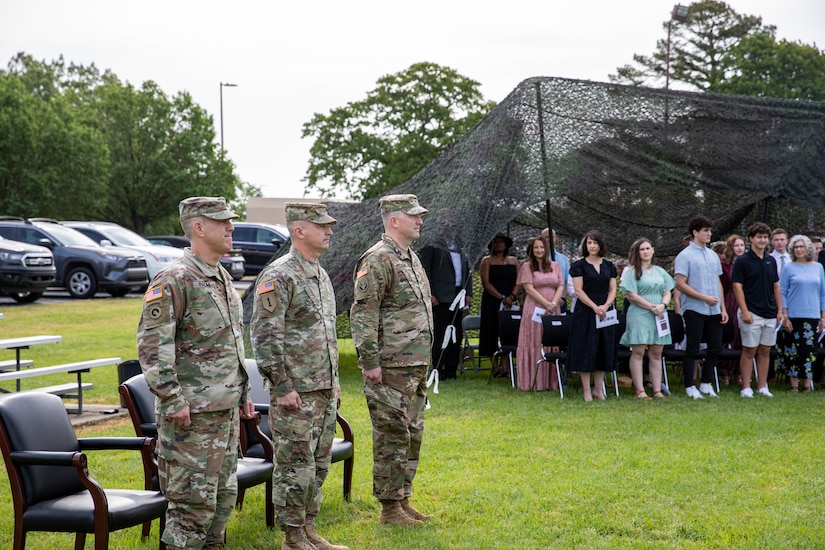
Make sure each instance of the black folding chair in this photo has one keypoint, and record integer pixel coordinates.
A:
(508, 325)
(555, 333)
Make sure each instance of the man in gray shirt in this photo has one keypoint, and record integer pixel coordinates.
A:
(697, 270)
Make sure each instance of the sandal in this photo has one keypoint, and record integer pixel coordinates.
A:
(794, 389)
(642, 394)
(807, 389)
(658, 395)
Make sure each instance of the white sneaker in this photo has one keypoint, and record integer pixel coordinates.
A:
(707, 389)
(693, 392)
(747, 392)
(764, 391)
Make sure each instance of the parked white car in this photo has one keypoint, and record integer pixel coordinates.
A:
(103, 233)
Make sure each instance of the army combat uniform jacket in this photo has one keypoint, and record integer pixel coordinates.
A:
(391, 316)
(293, 326)
(190, 340)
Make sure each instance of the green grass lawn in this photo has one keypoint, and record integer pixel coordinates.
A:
(506, 469)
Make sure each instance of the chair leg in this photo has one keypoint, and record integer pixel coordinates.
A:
(616, 382)
(716, 377)
(558, 375)
(147, 529)
(80, 541)
(512, 371)
(348, 464)
(239, 501)
(269, 510)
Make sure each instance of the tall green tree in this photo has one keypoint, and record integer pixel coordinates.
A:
(700, 48)
(75, 143)
(161, 150)
(377, 143)
(767, 68)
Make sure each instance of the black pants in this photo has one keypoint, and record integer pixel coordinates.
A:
(446, 360)
(701, 328)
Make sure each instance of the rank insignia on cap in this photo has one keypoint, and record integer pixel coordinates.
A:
(265, 287)
(153, 294)
(361, 272)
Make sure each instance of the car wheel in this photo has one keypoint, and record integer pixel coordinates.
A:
(81, 283)
(119, 292)
(25, 297)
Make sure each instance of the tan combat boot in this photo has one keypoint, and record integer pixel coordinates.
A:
(393, 513)
(295, 539)
(412, 512)
(317, 540)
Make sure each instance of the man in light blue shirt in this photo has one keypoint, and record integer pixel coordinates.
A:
(697, 270)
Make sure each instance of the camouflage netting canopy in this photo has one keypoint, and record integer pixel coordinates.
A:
(629, 161)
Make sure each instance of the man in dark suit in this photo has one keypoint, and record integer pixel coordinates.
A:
(449, 272)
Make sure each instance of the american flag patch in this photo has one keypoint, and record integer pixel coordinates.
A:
(153, 294)
(361, 272)
(268, 286)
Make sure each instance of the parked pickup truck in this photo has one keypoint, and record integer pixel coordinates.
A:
(26, 270)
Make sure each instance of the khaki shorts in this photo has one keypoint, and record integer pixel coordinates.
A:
(761, 332)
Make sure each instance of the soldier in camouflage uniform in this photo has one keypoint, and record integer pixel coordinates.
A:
(392, 328)
(190, 346)
(296, 347)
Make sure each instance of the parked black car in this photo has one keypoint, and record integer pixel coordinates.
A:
(233, 261)
(258, 243)
(83, 267)
(26, 270)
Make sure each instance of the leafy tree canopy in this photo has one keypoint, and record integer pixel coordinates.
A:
(375, 144)
(122, 153)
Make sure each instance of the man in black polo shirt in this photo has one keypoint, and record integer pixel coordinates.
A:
(756, 287)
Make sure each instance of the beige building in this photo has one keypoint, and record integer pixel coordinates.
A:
(271, 209)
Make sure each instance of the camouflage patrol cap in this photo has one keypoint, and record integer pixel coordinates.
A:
(209, 207)
(407, 204)
(311, 212)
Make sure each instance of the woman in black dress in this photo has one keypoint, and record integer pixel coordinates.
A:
(592, 350)
(498, 277)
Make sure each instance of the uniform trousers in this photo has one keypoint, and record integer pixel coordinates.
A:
(197, 474)
(303, 452)
(397, 412)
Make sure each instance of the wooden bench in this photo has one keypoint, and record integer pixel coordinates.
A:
(12, 364)
(72, 390)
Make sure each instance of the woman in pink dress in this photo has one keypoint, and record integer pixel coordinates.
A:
(544, 288)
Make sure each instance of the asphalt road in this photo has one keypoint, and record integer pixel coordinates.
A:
(59, 295)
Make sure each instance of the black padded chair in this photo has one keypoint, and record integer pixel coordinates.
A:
(555, 333)
(677, 334)
(508, 325)
(343, 448)
(252, 471)
(50, 484)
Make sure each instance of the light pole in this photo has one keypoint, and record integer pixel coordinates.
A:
(680, 13)
(225, 85)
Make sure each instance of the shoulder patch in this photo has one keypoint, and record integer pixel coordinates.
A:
(153, 293)
(362, 272)
(267, 286)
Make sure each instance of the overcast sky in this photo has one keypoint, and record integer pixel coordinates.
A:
(293, 59)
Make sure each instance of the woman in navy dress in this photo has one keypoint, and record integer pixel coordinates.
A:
(592, 350)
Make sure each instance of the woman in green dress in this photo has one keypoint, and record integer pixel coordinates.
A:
(647, 287)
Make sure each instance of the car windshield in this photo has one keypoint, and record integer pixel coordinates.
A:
(123, 237)
(66, 235)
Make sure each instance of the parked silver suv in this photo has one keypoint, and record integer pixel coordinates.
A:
(26, 270)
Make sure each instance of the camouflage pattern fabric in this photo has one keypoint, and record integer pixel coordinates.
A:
(190, 347)
(397, 412)
(392, 328)
(197, 474)
(296, 348)
(293, 326)
(391, 317)
(303, 453)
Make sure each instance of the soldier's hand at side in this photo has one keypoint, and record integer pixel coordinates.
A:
(290, 401)
(248, 409)
(181, 418)
(372, 375)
